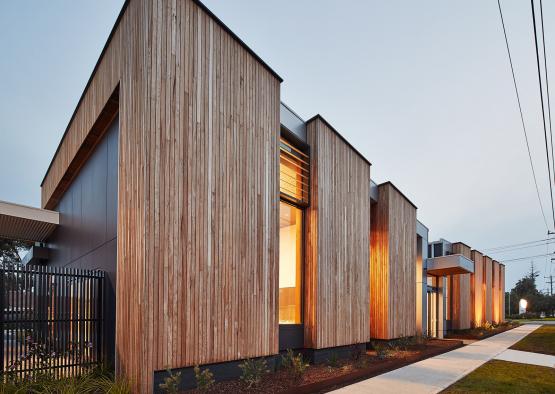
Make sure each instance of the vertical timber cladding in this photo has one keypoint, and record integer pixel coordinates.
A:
(198, 188)
(496, 314)
(393, 265)
(476, 284)
(502, 291)
(199, 195)
(488, 289)
(461, 295)
(337, 242)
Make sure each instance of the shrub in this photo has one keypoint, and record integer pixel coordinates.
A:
(253, 370)
(294, 363)
(333, 361)
(97, 381)
(382, 349)
(204, 378)
(356, 353)
(171, 382)
(487, 326)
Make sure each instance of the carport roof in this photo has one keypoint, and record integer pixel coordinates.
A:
(26, 223)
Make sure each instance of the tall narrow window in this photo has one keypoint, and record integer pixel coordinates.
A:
(290, 264)
(294, 173)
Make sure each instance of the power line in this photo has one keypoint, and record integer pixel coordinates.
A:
(543, 109)
(527, 257)
(519, 244)
(522, 117)
(523, 247)
(547, 88)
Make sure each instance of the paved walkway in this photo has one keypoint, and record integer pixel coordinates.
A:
(436, 373)
(516, 356)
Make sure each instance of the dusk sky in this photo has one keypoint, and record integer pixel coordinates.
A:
(422, 89)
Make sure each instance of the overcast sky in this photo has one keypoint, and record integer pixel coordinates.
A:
(422, 89)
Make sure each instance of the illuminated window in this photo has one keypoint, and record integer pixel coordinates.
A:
(290, 264)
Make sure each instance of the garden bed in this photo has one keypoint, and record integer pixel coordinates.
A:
(481, 332)
(322, 378)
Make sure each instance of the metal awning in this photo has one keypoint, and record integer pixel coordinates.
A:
(26, 223)
(449, 265)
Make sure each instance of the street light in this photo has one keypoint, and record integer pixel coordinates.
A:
(522, 306)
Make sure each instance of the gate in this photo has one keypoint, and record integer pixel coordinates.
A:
(50, 321)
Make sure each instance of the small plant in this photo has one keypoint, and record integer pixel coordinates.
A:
(356, 353)
(204, 378)
(171, 382)
(333, 361)
(294, 363)
(253, 370)
(383, 350)
(487, 326)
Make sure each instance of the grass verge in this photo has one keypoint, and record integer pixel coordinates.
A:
(498, 376)
(541, 340)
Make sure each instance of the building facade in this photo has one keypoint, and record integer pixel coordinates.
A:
(230, 228)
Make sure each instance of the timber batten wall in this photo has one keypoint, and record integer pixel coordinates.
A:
(477, 289)
(488, 289)
(393, 265)
(338, 242)
(198, 188)
(461, 295)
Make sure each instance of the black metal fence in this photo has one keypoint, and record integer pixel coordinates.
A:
(50, 321)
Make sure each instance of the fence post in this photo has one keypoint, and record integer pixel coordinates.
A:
(2, 326)
(100, 318)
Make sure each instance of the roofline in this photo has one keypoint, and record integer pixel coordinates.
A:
(477, 251)
(422, 224)
(104, 49)
(400, 192)
(318, 116)
(109, 40)
(293, 112)
(241, 42)
(462, 243)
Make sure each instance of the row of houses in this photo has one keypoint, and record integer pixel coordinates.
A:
(229, 227)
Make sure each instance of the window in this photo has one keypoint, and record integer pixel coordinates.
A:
(290, 264)
(294, 171)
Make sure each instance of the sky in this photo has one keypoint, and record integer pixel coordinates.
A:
(422, 89)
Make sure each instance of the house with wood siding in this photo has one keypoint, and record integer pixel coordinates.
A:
(228, 226)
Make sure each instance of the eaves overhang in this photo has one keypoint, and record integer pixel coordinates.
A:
(452, 264)
(24, 223)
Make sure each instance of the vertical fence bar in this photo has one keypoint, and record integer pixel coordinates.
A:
(2, 311)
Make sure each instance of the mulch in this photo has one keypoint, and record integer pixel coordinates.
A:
(478, 335)
(323, 378)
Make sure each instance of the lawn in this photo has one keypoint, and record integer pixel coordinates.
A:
(541, 340)
(498, 376)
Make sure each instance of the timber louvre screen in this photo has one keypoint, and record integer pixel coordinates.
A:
(50, 321)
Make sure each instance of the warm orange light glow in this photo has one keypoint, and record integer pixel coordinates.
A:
(290, 258)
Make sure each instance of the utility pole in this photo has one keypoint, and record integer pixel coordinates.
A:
(550, 281)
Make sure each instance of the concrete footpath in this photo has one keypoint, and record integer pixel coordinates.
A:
(437, 373)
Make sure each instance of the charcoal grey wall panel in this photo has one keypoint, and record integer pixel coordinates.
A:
(87, 235)
(112, 186)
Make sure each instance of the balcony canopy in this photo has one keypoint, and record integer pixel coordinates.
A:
(25, 223)
(449, 265)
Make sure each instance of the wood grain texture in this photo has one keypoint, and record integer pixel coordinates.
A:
(392, 265)
(198, 189)
(502, 291)
(477, 289)
(337, 242)
(488, 289)
(461, 299)
(496, 283)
